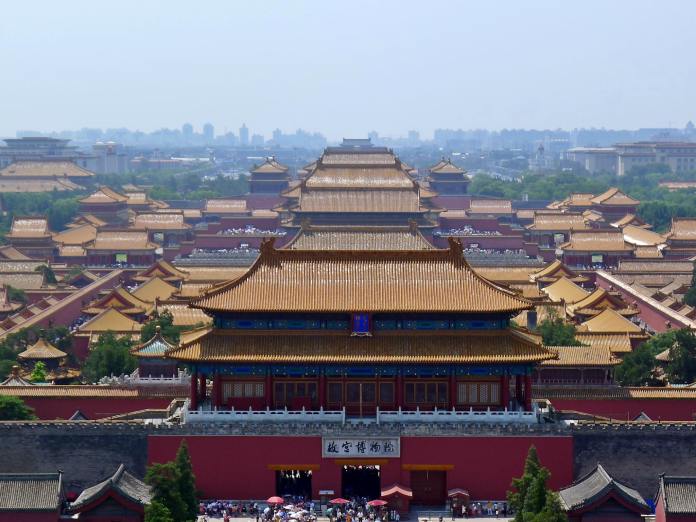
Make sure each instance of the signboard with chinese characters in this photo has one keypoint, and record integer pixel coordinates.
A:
(361, 447)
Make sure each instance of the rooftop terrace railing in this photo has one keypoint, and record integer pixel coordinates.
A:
(470, 415)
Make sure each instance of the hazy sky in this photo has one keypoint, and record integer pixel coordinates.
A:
(346, 67)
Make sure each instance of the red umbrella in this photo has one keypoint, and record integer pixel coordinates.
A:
(377, 503)
(275, 500)
(339, 501)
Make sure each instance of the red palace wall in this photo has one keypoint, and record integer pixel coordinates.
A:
(244, 467)
(51, 408)
(628, 409)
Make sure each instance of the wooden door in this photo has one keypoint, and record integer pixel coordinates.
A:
(429, 488)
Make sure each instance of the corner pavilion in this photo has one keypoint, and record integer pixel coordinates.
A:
(361, 330)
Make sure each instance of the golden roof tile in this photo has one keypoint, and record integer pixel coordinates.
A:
(42, 349)
(490, 206)
(45, 169)
(122, 240)
(597, 241)
(212, 274)
(642, 237)
(609, 321)
(612, 392)
(80, 235)
(162, 269)
(110, 320)
(104, 195)
(120, 299)
(270, 166)
(445, 166)
(193, 289)
(683, 229)
(22, 281)
(630, 219)
(503, 346)
(615, 342)
(359, 177)
(368, 281)
(597, 301)
(8, 252)
(555, 270)
(359, 238)
(172, 220)
(29, 227)
(183, 315)
(506, 274)
(154, 288)
(614, 196)
(226, 206)
(558, 222)
(36, 185)
(585, 355)
(565, 290)
(347, 200)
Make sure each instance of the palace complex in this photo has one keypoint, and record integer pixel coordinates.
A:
(357, 327)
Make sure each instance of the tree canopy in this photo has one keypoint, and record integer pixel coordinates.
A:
(155, 511)
(530, 497)
(187, 480)
(13, 408)
(110, 356)
(556, 332)
(173, 486)
(38, 374)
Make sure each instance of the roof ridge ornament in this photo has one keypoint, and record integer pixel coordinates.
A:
(267, 246)
(455, 247)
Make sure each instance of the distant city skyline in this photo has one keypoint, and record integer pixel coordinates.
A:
(347, 69)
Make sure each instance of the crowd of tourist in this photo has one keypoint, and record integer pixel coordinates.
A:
(251, 230)
(205, 253)
(465, 230)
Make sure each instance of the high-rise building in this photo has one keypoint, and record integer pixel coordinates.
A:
(208, 133)
(187, 131)
(257, 140)
(244, 135)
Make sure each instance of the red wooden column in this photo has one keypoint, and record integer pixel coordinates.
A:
(518, 389)
(452, 391)
(202, 385)
(194, 390)
(217, 396)
(399, 390)
(322, 390)
(268, 391)
(528, 392)
(505, 391)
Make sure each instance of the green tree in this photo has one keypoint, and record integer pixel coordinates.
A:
(638, 367)
(682, 357)
(110, 356)
(690, 296)
(530, 497)
(157, 512)
(164, 480)
(62, 212)
(38, 374)
(49, 274)
(187, 480)
(16, 294)
(556, 332)
(165, 321)
(13, 408)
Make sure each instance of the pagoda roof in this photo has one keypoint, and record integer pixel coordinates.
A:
(29, 227)
(578, 199)
(445, 166)
(121, 483)
(348, 200)
(15, 379)
(226, 206)
(120, 299)
(359, 177)
(678, 495)
(630, 219)
(614, 196)
(42, 349)
(122, 240)
(369, 281)
(565, 290)
(553, 222)
(28, 492)
(555, 270)
(183, 314)
(683, 229)
(596, 355)
(610, 321)
(104, 195)
(89, 219)
(169, 220)
(153, 289)
(162, 269)
(111, 320)
(597, 301)
(79, 235)
(45, 169)
(490, 206)
(642, 237)
(10, 253)
(358, 238)
(597, 241)
(155, 347)
(484, 347)
(270, 166)
(596, 486)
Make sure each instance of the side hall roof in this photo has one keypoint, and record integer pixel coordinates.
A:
(31, 492)
(565, 290)
(367, 281)
(358, 238)
(597, 485)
